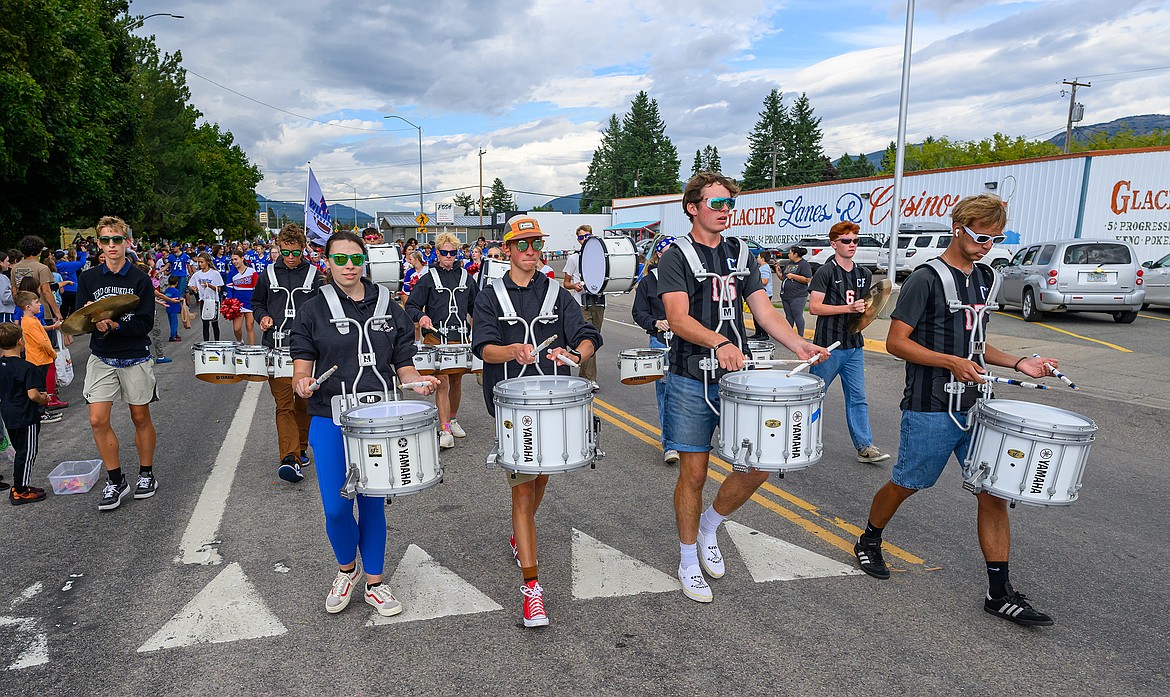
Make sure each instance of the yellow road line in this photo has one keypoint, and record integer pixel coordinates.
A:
(1065, 331)
(622, 421)
(1160, 319)
(875, 345)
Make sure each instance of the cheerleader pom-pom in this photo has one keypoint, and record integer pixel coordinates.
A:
(231, 308)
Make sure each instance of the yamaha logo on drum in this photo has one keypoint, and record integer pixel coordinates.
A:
(527, 420)
(797, 434)
(1043, 468)
(402, 442)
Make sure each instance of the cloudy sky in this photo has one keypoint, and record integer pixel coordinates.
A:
(533, 82)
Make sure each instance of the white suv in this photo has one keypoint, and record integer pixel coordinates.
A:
(918, 243)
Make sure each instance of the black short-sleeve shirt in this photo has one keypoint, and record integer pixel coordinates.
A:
(840, 287)
(17, 377)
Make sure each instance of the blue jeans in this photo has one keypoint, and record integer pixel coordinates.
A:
(173, 318)
(929, 438)
(183, 287)
(688, 422)
(660, 394)
(346, 534)
(850, 365)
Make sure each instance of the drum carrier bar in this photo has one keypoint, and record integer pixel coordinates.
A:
(452, 309)
(290, 307)
(546, 316)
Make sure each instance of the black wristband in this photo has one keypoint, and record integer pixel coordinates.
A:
(719, 346)
(1016, 367)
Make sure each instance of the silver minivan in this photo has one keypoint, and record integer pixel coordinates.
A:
(1076, 275)
(1157, 285)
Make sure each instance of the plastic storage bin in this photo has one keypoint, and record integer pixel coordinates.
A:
(75, 476)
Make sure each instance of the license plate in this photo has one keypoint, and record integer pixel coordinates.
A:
(1097, 277)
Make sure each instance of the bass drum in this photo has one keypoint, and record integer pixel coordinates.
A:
(385, 265)
(609, 265)
(490, 270)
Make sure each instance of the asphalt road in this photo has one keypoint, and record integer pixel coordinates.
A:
(102, 603)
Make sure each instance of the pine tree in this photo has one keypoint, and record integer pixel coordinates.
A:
(698, 164)
(601, 182)
(771, 133)
(889, 158)
(651, 164)
(804, 163)
(465, 201)
(500, 200)
(706, 160)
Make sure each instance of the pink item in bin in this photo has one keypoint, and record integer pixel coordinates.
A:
(75, 476)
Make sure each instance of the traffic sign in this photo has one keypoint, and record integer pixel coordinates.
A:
(422, 219)
(422, 229)
(445, 213)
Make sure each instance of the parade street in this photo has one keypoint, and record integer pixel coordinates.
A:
(216, 585)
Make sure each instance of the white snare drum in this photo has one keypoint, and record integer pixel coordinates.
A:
(761, 350)
(453, 359)
(385, 265)
(252, 363)
(425, 359)
(1027, 453)
(394, 446)
(609, 264)
(545, 423)
(280, 363)
(642, 365)
(770, 422)
(476, 364)
(491, 269)
(215, 362)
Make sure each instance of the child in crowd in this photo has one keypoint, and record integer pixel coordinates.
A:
(21, 401)
(174, 306)
(39, 351)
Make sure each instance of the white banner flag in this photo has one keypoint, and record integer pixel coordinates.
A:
(318, 223)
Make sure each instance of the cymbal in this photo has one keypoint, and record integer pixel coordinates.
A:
(85, 320)
(875, 300)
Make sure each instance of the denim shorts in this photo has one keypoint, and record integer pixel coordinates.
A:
(927, 443)
(688, 423)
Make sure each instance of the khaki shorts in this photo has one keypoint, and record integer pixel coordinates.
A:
(520, 478)
(134, 385)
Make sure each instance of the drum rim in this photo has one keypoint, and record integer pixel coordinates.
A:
(503, 388)
(988, 412)
(252, 350)
(641, 353)
(733, 388)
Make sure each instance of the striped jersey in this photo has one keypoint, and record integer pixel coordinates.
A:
(840, 287)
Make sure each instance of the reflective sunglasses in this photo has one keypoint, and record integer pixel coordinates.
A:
(371, 237)
(340, 259)
(718, 204)
(523, 245)
(291, 252)
(847, 240)
(112, 239)
(584, 237)
(448, 252)
(495, 256)
(984, 239)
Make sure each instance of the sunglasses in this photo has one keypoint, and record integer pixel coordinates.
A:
(448, 252)
(495, 256)
(718, 204)
(523, 245)
(584, 237)
(371, 237)
(984, 239)
(847, 240)
(340, 259)
(113, 239)
(291, 252)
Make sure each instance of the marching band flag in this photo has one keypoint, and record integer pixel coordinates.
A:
(318, 223)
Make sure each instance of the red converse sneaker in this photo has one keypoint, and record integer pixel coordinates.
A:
(534, 614)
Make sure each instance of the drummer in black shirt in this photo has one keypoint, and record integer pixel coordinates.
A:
(649, 314)
(935, 343)
(506, 351)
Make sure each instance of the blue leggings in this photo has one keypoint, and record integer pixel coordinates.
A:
(346, 534)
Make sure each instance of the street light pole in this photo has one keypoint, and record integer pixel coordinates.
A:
(137, 24)
(354, 203)
(420, 161)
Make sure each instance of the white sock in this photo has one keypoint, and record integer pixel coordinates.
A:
(710, 521)
(690, 555)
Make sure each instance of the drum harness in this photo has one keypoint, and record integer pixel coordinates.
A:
(452, 308)
(290, 306)
(976, 340)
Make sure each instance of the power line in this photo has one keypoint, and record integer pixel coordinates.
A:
(1128, 72)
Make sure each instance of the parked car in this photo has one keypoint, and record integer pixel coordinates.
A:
(918, 243)
(1075, 275)
(1156, 275)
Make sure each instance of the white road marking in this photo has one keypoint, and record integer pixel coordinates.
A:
(772, 559)
(615, 321)
(227, 609)
(600, 571)
(428, 590)
(28, 594)
(35, 643)
(199, 539)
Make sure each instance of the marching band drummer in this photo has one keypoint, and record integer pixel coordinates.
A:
(694, 309)
(441, 303)
(282, 288)
(318, 343)
(649, 314)
(505, 353)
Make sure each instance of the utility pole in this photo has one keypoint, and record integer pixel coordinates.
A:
(774, 152)
(1072, 102)
(482, 152)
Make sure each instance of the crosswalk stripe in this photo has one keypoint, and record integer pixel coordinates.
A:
(772, 559)
(428, 590)
(600, 571)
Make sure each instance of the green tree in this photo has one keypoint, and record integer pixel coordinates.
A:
(849, 168)
(600, 186)
(804, 160)
(1123, 139)
(500, 200)
(889, 159)
(651, 164)
(465, 201)
(706, 160)
(770, 135)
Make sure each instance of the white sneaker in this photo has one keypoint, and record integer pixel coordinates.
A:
(709, 557)
(670, 457)
(383, 600)
(694, 586)
(446, 440)
(594, 386)
(456, 429)
(342, 591)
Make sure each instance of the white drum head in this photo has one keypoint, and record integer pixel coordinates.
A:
(386, 410)
(1035, 413)
(596, 265)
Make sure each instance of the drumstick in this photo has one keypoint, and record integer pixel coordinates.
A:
(323, 378)
(1012, 381)
(412, 385)
(770, 363)
(1057, 373)
(565, 359)
(805, 364)
(541, 346)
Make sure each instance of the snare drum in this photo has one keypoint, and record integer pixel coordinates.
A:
(280, 363)
(642, 365)
(215, 362)
(609, 264)
(1027, 453)
(491, 269)
(761, 350)
(769, 421)
(252, 363)
(545, 424)
(394, 446)
(425, 359)
(453, 359)
(385, 265)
